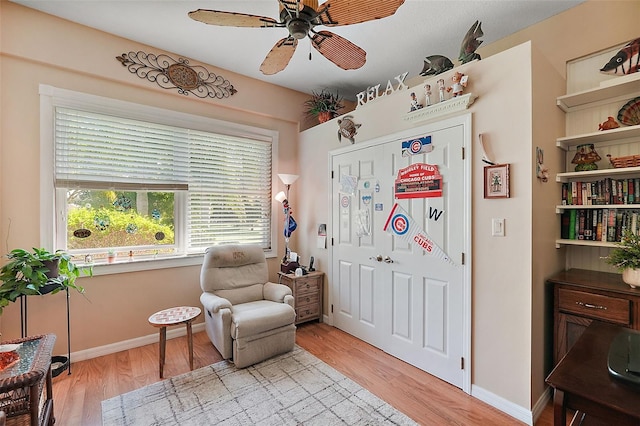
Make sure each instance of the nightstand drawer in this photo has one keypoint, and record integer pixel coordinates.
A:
(307, 285)
(306, 299)
(595, 306)
(309, 311)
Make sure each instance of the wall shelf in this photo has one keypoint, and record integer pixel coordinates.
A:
(619, 87)
(450, 106)
(561, 208)
(624, 132)
(619, 172)
(561, 242)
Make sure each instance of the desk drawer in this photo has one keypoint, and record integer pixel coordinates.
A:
(596, 306)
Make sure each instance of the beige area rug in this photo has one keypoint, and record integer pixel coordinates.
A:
(295, 388)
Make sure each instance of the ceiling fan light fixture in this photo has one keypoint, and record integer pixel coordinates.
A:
(298, 28)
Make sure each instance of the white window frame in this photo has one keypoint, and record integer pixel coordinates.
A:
(52, 97)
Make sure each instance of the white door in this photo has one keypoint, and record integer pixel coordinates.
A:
(358, 310)
(390, 292)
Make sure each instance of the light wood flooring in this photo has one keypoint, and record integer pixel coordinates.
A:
(424, 398)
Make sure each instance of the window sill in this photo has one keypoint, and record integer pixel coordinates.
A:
(124, 265)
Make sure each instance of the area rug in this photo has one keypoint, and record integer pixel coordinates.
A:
(295, 388)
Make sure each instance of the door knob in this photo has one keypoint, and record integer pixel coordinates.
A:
(387, 259)
(378, 258)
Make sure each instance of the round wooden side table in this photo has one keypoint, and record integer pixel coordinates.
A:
(174, 316)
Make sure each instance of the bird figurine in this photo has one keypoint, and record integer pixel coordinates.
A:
(470, 43)
(611, 123)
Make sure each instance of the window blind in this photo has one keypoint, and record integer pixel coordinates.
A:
(104, 152)
(229, 190)
(228, 178)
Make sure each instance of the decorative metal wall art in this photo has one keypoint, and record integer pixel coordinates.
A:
(169, 73)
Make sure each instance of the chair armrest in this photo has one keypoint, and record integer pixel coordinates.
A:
(275, 292)
(213, 303)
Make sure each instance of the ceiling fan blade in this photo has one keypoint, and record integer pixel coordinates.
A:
(339, 50)
(346, 12)
(231, 19)
(279, 56)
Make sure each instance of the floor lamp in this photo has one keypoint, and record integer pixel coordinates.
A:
(288, 180)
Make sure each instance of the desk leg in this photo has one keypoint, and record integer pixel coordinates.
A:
(163, 345)
(190, 343)
(559, 409)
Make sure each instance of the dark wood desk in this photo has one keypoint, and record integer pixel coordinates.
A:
(581, 381)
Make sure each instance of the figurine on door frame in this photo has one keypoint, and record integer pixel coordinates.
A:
(427, 94)
(459, 83)
(441, 89)
(414, 102)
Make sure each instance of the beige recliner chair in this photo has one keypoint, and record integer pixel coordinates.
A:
(247, 318)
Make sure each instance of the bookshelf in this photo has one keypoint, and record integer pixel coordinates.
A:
(583, 109)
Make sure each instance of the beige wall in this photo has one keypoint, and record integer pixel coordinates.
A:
(511, 344)
(545, 258)
(70, 56)
(501, 317)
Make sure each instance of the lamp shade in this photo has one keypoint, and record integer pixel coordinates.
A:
(287, 179)
(280, 196)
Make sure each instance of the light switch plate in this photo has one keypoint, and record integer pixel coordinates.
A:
(497, 227)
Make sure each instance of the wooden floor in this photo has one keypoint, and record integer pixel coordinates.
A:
(426, 399)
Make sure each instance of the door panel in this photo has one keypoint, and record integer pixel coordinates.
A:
(402, 306)
(412, 305)
(436, 313)
(357, 309)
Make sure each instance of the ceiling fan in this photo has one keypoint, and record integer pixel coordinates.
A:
(300, 17)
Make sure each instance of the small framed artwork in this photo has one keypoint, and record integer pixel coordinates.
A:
(496, 181)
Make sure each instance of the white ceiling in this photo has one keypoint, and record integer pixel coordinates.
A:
(394, 44)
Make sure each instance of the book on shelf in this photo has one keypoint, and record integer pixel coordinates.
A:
(604, 191)
(598, 224)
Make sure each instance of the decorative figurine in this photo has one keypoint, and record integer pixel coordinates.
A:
(347, 128)
(629, 114)
(436, 64)
(414, 102)
(542, 171)
(585, 158)
(626, 61)
(459, 83)
(611, 123)
(441, 89)
(470, 43)
(427, 94)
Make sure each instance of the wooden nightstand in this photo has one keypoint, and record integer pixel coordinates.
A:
(307, 293)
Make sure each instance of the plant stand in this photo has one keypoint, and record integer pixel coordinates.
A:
(23, 330)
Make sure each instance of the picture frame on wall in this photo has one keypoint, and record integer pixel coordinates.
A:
(496, 181)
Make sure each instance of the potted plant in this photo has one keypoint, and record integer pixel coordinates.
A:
(38, 272)
(324, 105)
(111, 256)
(626, 258)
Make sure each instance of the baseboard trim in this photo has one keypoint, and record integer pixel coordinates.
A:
(132, 343)
(507, 407)
(541, 404)
(327, 319)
